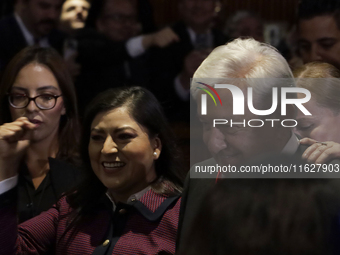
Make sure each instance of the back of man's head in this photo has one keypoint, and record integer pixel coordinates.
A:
(245, 59)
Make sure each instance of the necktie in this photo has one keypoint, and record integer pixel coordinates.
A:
(201, 42)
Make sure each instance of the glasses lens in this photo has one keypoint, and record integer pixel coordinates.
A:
(45, 101)
(18, 100)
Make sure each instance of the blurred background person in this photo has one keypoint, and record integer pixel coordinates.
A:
(245, 24)
(34, 22)
(111, 49)
(318, 27)
(129, 202)
(267, 216)
(174, 66)
(73, 15)
(37, 87)
(323, 81)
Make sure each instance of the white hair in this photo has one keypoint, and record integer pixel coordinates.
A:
(260, 65)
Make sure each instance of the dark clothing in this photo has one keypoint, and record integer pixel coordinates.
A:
(167, 63)
(194, 192)
(144, 226)
(60, 178)
(12, 40)
(105, 64)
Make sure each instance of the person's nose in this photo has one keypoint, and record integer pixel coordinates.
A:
(216, 141)
(32, 107)
(109, 146)
(314, 54)
(79, 12)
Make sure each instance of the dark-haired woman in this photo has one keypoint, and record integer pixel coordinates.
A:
(129, 202)
(36, 90)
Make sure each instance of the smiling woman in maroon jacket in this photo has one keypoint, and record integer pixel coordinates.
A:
(129, 202)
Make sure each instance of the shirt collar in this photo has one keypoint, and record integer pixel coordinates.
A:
(148, 203)
(43, 42)
(132, 198)
(192, 35)
(292, 145)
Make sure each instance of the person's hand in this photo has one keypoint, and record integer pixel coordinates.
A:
(14, 140)
(320, 152)
(191, 62)
(160, 39)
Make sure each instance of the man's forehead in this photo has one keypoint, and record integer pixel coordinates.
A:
(318, 27)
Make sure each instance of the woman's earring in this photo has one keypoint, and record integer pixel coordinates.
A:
(155, 154)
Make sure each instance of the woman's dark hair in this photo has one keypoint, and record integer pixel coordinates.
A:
(267, 216)
(145, 110)
(69, 124)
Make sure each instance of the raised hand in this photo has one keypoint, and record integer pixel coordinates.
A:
(161, 39)
(14, 140)
(320, 152)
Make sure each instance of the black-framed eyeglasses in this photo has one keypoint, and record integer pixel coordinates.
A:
(43, 101)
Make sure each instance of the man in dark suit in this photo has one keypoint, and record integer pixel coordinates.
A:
(32, 23)
(175, 65)
(233, 138)
(111, 50)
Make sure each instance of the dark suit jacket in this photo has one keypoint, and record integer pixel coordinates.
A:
(105, 64)
(194, 192)
(12, 40)
(167, 63)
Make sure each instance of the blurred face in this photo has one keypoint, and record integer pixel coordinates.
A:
(319, 40)
(235, 144)
(74, 13)
(250, 26)
(121, 153)
(322, 125)
(41, 16)
(119, 20)
(33, 80)
(198, 13)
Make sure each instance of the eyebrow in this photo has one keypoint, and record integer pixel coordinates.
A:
(99, 130)
(38, 89)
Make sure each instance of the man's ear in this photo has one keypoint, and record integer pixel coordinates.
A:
(157, 147)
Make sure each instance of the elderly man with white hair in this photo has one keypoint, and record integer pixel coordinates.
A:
(244, 64)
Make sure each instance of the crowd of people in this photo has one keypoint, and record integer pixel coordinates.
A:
(93, 100)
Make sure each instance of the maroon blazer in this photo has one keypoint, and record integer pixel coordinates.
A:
(145, 226)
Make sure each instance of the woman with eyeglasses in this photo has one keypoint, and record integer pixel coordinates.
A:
(37, 96)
